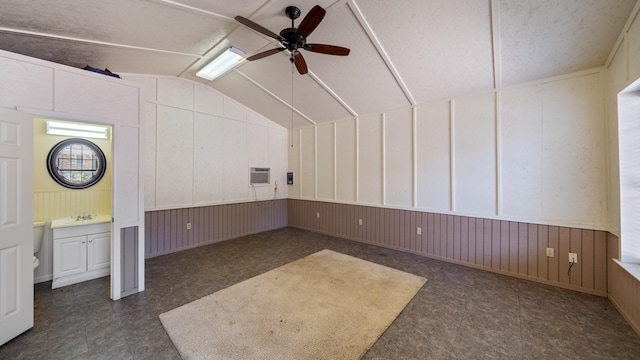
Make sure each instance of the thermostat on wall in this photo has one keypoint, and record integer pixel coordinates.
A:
(290, 178)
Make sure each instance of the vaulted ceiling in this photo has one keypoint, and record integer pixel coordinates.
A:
(403, 53)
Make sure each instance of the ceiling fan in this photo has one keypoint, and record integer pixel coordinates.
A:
(294, 39)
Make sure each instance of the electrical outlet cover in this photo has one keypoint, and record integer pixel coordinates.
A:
(573, 258)
(550, 252)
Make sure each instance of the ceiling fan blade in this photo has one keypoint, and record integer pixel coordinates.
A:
(311, 21)
(259, 28)
(301, 65)
(265, 54)
(327, 49)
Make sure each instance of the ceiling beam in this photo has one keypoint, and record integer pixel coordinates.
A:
(495, 44)
(290, 106)
(88, 41)
(332, 93)
(383, 54)
(179, 5)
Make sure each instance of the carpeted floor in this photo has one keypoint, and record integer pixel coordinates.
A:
(460, 313)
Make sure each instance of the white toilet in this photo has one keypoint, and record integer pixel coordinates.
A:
(38, 235)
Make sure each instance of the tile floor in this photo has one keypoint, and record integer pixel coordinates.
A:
(461, 313)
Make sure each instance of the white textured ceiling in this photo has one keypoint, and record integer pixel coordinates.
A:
(403, 53)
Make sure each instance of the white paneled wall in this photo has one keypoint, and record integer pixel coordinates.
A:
(622, 75)
(474, 157)
(235, 165)
(533, 153)
(346, 160)
(398, 160)
(521, 151)
(574, 150)
(371, 155)
(174, 157)
(433, 160)
(308, 162)
(326, 161)
(208, 180)
(200, 145)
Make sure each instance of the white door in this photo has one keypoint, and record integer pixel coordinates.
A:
(16, 224)
(127, 206)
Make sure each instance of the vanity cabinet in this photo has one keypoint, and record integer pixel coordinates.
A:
(81, 252)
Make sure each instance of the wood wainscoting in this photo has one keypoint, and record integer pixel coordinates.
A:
(166, 230)
(507, 247)
(624, 288)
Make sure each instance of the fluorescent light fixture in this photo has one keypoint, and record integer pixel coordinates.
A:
(224, 62)
(71, 129)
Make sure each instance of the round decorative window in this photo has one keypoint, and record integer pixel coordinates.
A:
(76, 163)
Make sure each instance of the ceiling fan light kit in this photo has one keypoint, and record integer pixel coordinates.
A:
(222, 63)
(295, 39)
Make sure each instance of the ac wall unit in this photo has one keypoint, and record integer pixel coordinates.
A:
(259, 176)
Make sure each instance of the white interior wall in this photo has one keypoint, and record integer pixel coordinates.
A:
(326, 161)
(346, 160)
(201, 144)
(371, 144)
(533, 153)
(433, 150)
(622, 70)
(45, 89)
(398, 158)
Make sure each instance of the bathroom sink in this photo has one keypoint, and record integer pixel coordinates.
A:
(74, 221)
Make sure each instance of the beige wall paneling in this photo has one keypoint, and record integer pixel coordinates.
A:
(150, 153)
(174, 167)
(149, 85)
(165, 230)
(633, 38)
(507, 247)
(308, 163)
(616, 77)
(623, 287)
(176, 93)
(475, 155)
(235, 161)
(259, 156)
(77, 94)
(25, 84)
(399, 158)
(258, 145)
(326, 161)
(208, 151)
(207, 100)
(258, 137)
(574, 148)
(433, 148)
(278, 160)
(370, 171)
(233, 110)
(521, 152)
(125, 187)
(347, 140)
(294, 151)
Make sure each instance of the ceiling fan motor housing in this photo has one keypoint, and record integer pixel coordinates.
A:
(293, 41)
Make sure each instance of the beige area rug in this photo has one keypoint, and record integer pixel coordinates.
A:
(324, 306)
